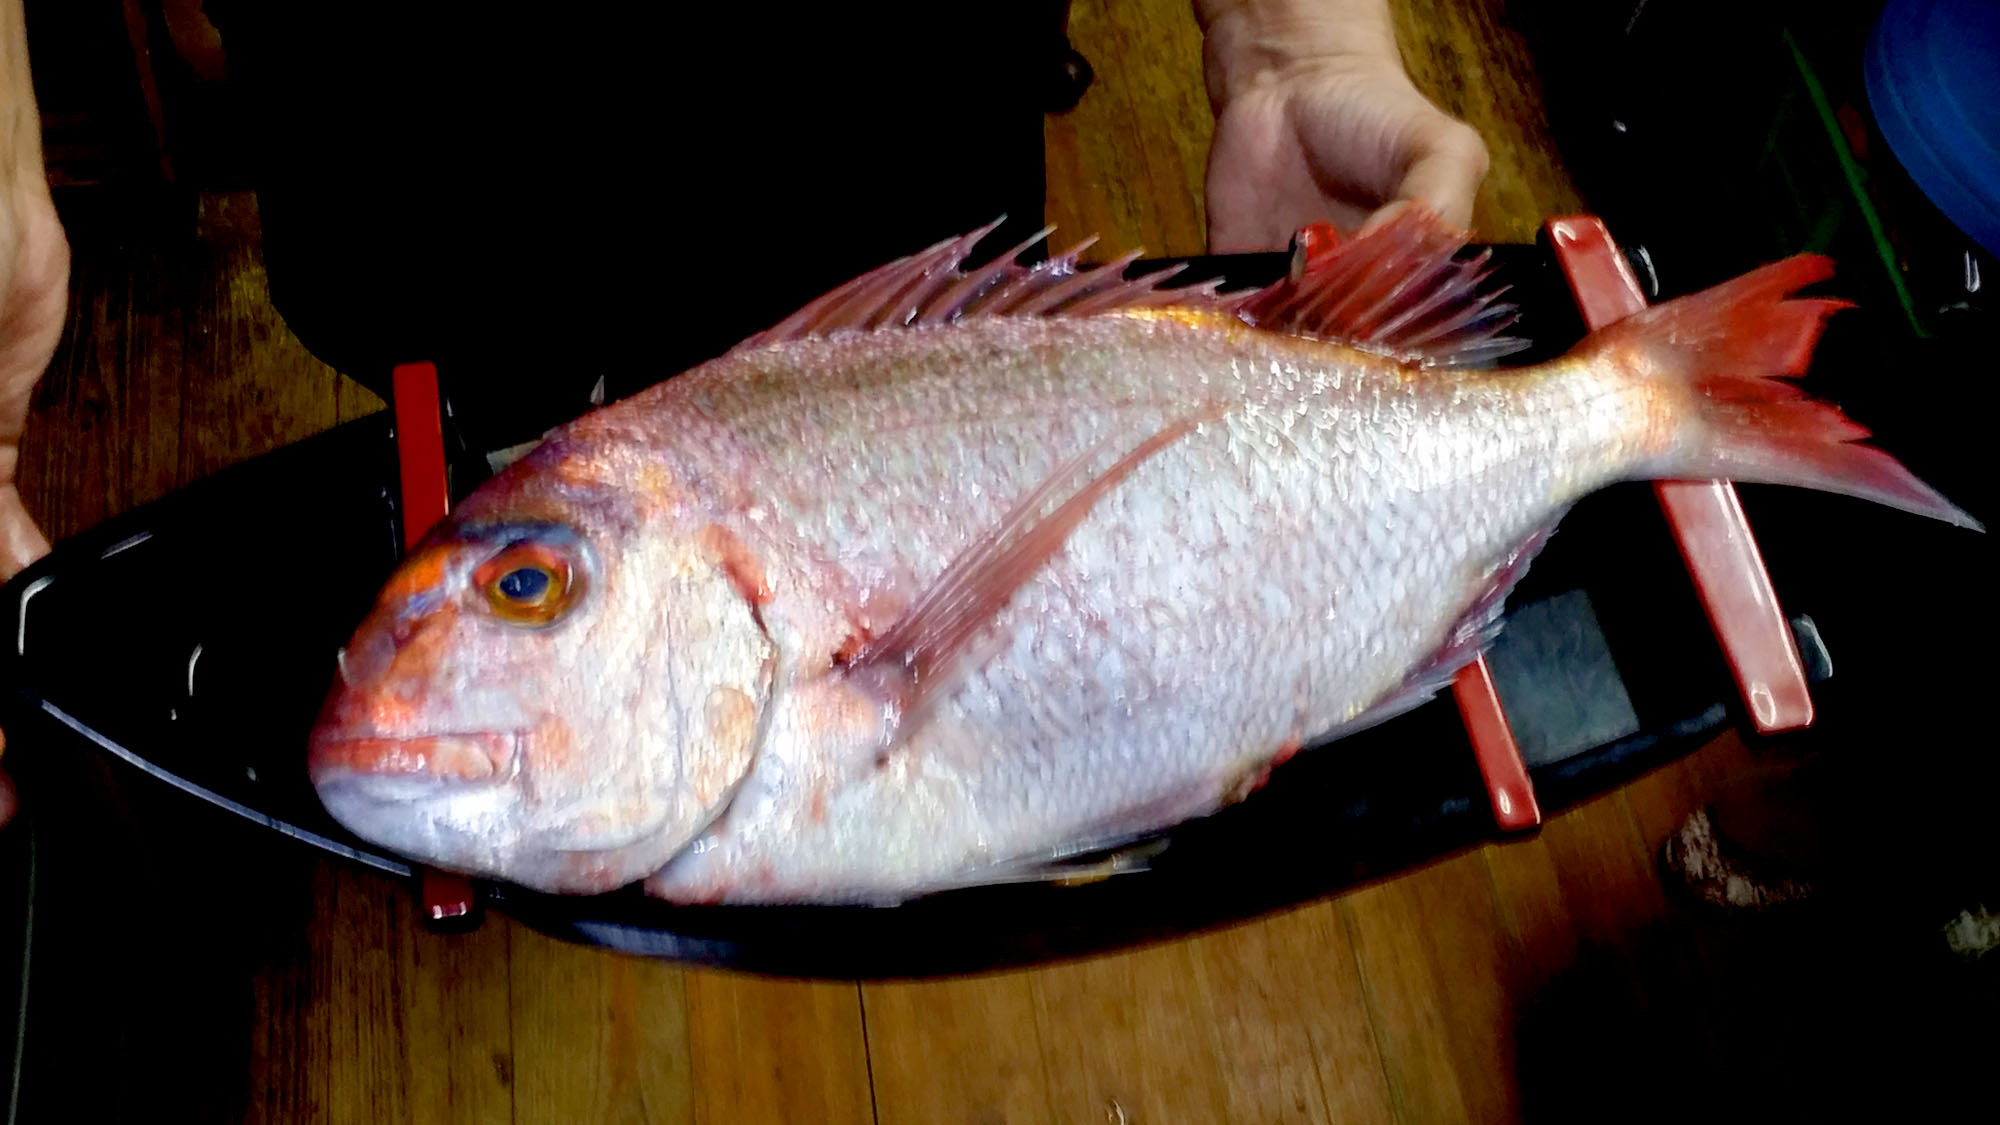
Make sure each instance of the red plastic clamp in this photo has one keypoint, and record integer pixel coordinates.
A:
(426, 498)
(1706, 517)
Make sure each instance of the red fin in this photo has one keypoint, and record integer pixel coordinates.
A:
(1399, 290)
(1064, 868)
(1470, 636)
(1731, 344)
(1482, 621)
(919, 656)
(931, 288)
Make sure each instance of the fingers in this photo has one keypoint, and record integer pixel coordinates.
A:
(8, 802)
(21, 542)
(1450, 162)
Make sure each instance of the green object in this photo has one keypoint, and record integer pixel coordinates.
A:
(1855, 177)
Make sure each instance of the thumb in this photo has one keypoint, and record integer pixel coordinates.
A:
(1446, 174)
(21, 542)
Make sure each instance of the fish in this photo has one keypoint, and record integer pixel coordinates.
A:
(964, 573)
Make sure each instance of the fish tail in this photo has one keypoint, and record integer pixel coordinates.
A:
(1728, 348)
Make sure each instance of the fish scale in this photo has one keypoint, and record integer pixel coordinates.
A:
(1236, 509)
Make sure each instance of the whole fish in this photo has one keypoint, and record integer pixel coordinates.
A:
(960, 572)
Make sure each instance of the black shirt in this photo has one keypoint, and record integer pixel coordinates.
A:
(534, 196)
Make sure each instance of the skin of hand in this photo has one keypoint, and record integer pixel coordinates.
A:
(34, 295)
(1316, 119)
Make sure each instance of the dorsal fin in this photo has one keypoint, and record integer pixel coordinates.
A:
(931, 287)
(1400, 290)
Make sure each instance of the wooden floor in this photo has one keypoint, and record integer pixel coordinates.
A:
(194, 971)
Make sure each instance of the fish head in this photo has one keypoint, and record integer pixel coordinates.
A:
(559, 688)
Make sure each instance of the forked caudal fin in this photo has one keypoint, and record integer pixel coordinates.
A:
(1730, 346)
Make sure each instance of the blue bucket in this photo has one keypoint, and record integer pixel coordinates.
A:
(1933, 74)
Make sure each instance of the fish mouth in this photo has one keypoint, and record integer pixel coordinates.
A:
(411, 766)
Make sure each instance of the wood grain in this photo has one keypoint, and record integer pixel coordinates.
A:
(956, 1050)
(459, 1031)
(602, 1038)
(1463, 56)
(1128, 1038)
(776, 1050)
(1433, 978)
(1126, 164)
(1297, 1040)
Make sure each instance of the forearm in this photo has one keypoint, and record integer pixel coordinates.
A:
(1248, 41)
(34, 278)
(33, 259)
(20, 124)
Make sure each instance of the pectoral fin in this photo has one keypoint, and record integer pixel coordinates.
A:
(924, 654)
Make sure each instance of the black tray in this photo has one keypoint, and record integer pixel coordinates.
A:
(217, 612)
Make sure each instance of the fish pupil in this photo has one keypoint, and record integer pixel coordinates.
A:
(526, 584)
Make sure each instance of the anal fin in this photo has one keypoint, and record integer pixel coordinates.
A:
(1474, 631)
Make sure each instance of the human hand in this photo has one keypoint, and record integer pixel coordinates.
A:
(34, 295)
(1317, 120)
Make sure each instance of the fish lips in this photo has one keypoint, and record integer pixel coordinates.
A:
(437, 798)
(412, 767)
(447, 800)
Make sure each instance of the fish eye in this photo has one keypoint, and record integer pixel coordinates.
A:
(527, 583)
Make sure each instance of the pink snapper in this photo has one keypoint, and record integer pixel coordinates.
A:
(957, 573)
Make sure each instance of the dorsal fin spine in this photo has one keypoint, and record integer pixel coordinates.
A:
(1400, 290)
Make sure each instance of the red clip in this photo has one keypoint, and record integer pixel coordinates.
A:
(1706, 518)
(1508, 787)
(445, 896)
(420, 450)
(1311, 243)
(426, 498)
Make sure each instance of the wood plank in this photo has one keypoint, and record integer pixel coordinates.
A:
(602, 1037)
(1464, 57)
(1435, 978)
(776, 1050)
(356, 1012)
(286, 1027)
(1724, 769)
(1661, 799)
(251, 386)
(368, 1012)
(1127, 1037)
(1605, 869)
(1127, 163)
(965, 1049)
(352, 400)
(1285, 996)
(1532, 911)
(103, 430)
(458, 1035)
